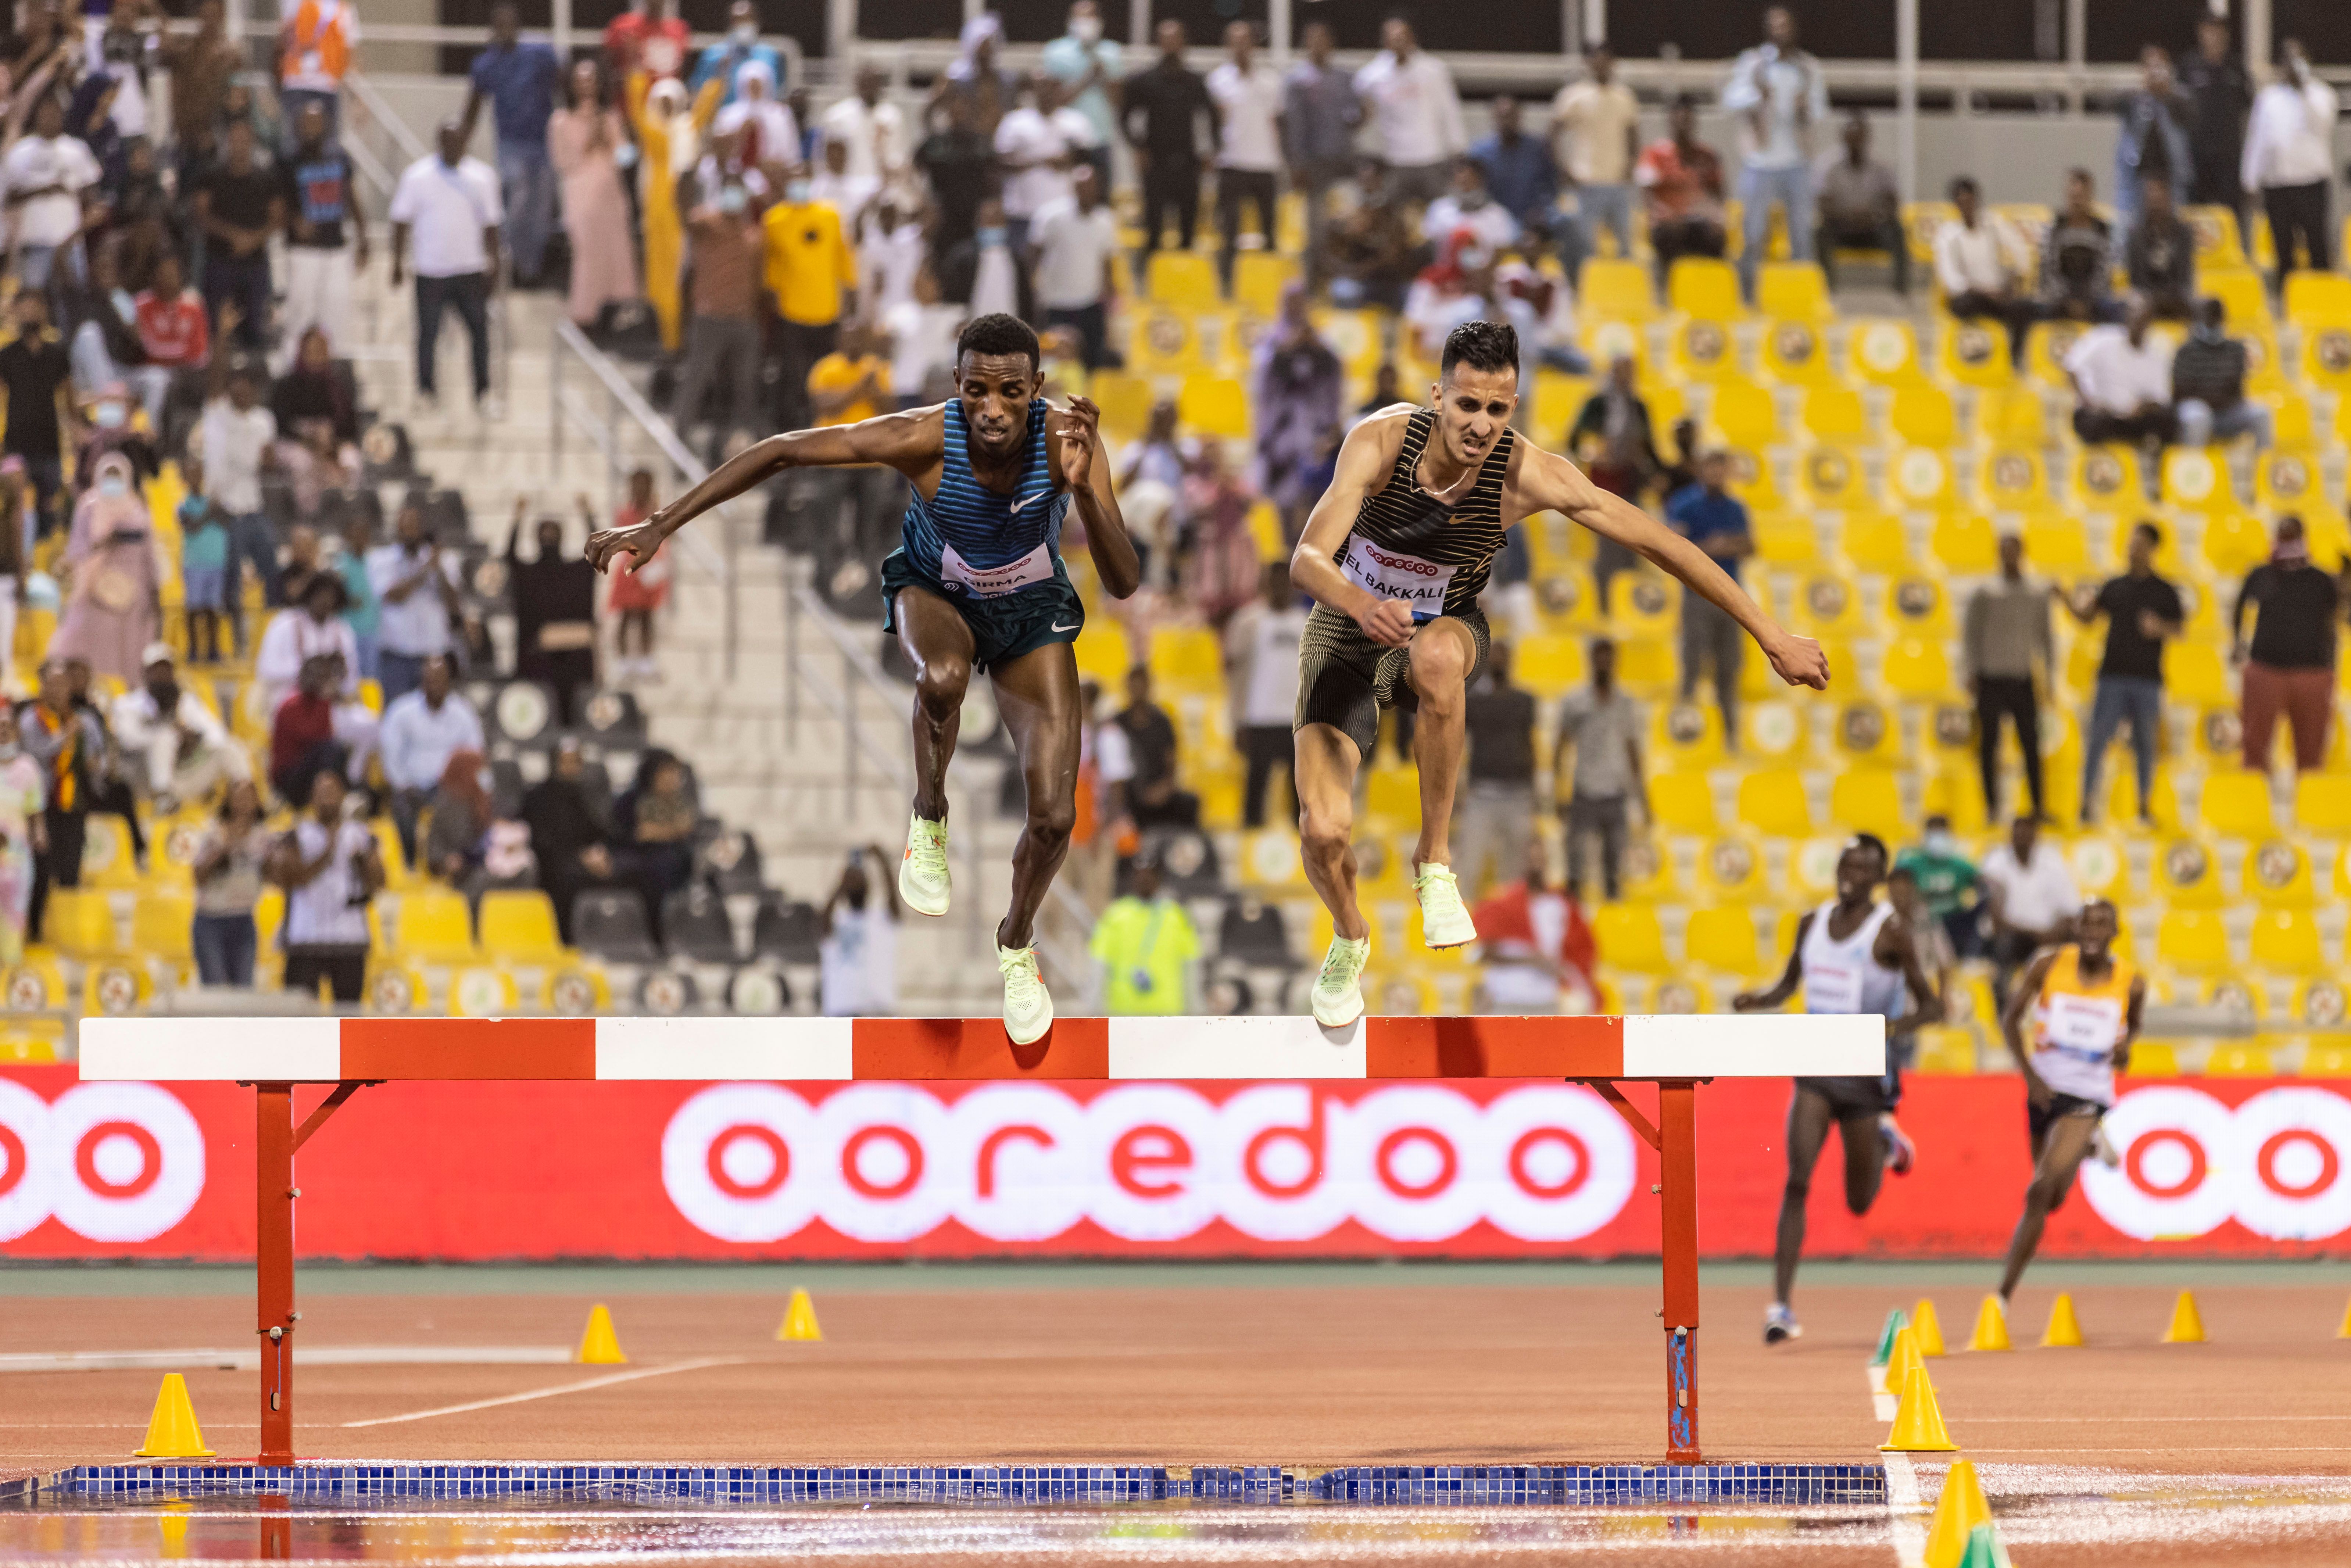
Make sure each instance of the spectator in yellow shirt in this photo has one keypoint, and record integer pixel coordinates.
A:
(812, 272)
(851, 383)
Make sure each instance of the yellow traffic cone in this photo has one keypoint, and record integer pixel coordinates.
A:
(2064, 1331)
(800, 1319)
(172, 1431)
(1918, 1424)
(1992, 1327)
(1905, 1360)
(1957, 1513)
(599, 1346)
(2345, 1332)
(1928, 1327)
(2187, 1323)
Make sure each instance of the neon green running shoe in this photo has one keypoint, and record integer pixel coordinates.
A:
(1339, 991)
(923, 874)
(1444, 922)
(1027, 1005)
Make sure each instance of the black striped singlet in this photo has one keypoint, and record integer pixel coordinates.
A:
(1407, 543)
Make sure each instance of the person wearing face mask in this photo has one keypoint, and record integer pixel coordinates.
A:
(584, 139)
(669, 132)
(1470, 207)
(178, 748)
(723, 60)
(116, 424)
(1089, 66)
(2207, 385)
(111, 611)
(812, 270)
(871, 128)
(859, 949)
(985, 274)
(770, 133)
(1939, 867)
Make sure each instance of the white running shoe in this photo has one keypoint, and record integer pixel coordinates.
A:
(2103, 1147)
(1780, 1325)
(1027, 1005)
(1444, 922)
(1339, 992)
(923, 874)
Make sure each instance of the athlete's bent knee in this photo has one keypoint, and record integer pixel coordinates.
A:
(1324, 835)
(940, 686)
(1438, 667)
(1052, 822)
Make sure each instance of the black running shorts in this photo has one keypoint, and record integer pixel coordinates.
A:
(1344, 678)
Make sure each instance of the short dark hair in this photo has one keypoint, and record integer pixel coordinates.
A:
(997, 333)
(1491, 346)
(2154, 535)
(1872, 843)
(1964, 182)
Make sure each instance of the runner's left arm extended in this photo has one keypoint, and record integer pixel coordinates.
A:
(1086, 468)
(1896, 949)
(1545, 482)
(2024, 991)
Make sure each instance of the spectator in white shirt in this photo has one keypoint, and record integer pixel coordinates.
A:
(2289, 159)
(450, 204)
(890, 251)
(1248, 98)
(421, 732)
(183, 752)
(1979, 265)
(846, 193)
(1780, 93)
(1261, 674)
(1072, 242)
(871, 126)
(2032, 897)
(1469, 207)
(415, 590)
(1596, 133)
(858, 955)
(46, 174)
(2122, 378)
(1033, 148)
(1413, 101)
(311, 629)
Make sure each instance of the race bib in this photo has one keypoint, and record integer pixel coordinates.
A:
(1391, 574)
(2087, 1025)
(1832, 989)
(995, 581)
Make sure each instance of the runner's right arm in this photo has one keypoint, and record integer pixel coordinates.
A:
(1793, 977)
(912, 442)
(2022, 995)
(1364, 459)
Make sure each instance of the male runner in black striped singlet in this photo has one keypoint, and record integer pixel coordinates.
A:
(1396, 555)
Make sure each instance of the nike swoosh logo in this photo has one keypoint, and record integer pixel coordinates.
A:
(1070, 627)
(1040, 496)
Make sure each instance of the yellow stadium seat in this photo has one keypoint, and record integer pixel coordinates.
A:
(1357, 336)
(1868, 799)
(1125, 403)
(518, 926)
(481, 991)
(1166, 343)
(1187, 659)
(1793, 291)
(2196, 478)
(2287, 479)
(2230, 1059)
(1644, 604)
(2216, 232)
(1685, 735)
(433, 926)
(1558, 399)
(2187, 873)
(1182, 280)
(1101, 651)
(1391, 792)
(1916, 603)
(161, 926)
(2237, 805)
(2235, 543)
(1795, 352)
(1704, 350)
(2030, 220)
(1919, 221)
(1833, 478)
(2327, 359)
(1616, 291)
(1646, 666)
(2016, 416)
(1964, 542)
(1650, 874)
(1214, 405)
(1772, 801)
(2055, 543)
(1917, 668)
(2107, 478)
(1682, 803)
(1945, 1051)
(398, 875)
(2317, 298)
(1835, 415)
(2278, 874)
(106, 859)
(1744, 414)
(1269, 861)
(1919, 479)
(2321, 804)
(1876, 541)
(1956, 791)
(1974, 353)
(2286, 942)
(1786, 540)
(1752, 479)
(1884, 352)
(1923, 416)
(1705, 287)
(2265, 369)
(2195, 674)
(2012, 478)
(2046, 344)
(1828, 609)
(1724, 939)
(80, 922)
(1629, 937)
(2242, 293)
(2193, 942)
(1259, 278)
(1549, 666)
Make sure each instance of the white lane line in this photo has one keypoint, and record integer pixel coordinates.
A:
(1885, 1405)
(607, 1381)
(324, 1355)
(1905, 1509)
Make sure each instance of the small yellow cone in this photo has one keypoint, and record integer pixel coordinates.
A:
(172, 1431)
(1905, 1360)
(2187, 1323)
(1928, 1327)
(1957, 1513)
(2064, 1331)
(2345, 1332)
(1918, 1424)
(599, 1346)
(1992, 1327)
(800, 1319)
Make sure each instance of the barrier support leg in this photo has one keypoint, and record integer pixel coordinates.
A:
(1677, 1159)
(273, 1256)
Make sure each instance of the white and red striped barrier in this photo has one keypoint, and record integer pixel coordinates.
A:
(330, 1050)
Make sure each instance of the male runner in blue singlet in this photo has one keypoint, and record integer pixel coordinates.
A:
(978, 583)
(1395, 556)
